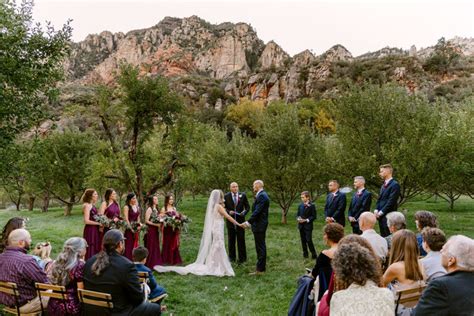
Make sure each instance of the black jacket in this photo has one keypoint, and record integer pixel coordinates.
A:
(450, 294)
(242, 206)
(335, 207)
(388, 198)
(120, 279)
(360, 204)
(306, 212)
(259, 217)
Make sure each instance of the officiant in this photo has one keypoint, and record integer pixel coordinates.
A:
(237, 205)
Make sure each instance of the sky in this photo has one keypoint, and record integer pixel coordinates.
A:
(359, 25)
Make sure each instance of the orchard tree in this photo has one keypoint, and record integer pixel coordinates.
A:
(384, 124)
(288, 157)
(31, 62)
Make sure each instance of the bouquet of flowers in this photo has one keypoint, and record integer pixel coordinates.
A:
(155, 218)
(102, 220)
(178, 221)
(118, 223)
(136, 227)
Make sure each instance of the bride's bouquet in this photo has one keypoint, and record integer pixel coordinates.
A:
(178, 221)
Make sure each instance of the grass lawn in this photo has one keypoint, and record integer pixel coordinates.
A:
(242, 295)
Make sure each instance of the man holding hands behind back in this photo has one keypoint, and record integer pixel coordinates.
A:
(237, 205)
(305, 217)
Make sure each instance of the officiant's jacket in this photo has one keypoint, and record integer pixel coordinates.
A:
(242, 206)
(259, 217)
(306, 212)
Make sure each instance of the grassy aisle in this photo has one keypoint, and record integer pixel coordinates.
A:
(243, 295)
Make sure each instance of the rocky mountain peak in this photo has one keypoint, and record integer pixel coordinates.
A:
(273, 56)
(337, 53)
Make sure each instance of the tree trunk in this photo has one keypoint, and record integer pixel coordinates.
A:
(451, 204)
(45, 206)
(17, 203)
(283, 216)
(31, 202)
(69, 205)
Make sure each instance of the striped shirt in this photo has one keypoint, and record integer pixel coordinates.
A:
(20, 268)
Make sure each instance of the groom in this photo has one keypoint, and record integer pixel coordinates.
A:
(259, 222)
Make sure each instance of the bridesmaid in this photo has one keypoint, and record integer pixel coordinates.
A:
(170, 249)
(131, 213)
(91, 228)
(110, 207)
(152, 237)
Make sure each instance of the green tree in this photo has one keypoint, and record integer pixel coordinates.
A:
(246, 115)
(385, 124)
(67, 162)
(455, 154)
(286, 156)
(444, 57)
(12, 177)
(144, 102)
(31, 63)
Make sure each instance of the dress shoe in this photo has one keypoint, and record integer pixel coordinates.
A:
(256, 273)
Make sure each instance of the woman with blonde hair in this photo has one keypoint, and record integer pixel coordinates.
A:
(404, 266)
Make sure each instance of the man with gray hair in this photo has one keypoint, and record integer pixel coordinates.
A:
(360, 203)
(453, 293)
(20, 268)
(395, 222)
(259, 222)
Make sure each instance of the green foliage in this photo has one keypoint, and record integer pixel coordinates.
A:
(31, 63)
(246, 115)
(378, 125)
(286, 156)
(443, 59)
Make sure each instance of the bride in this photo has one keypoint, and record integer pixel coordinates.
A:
(212, 257)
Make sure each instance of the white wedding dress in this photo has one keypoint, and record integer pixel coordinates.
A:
(212, 258)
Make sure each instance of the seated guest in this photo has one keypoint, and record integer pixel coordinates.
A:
(424, 219)
(68, 270)
(140, 254)
(395, 222)
(367, 222)
(324, 305)
(433, 240)
(453, 293)
(42, 255)
(11, 225)
(110, 272)
(333, 232)
(20, 268)
(404, 268)
(357, 278)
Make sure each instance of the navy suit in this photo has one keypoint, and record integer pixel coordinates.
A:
(307, 212)
(236, 233)
(259, 222)
(335, 207)
(387, 202)
(359, 204)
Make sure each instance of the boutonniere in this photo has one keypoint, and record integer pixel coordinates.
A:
(240, 196)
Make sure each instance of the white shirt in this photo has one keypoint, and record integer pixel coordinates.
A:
(258, 192)
(387, 181)
(378, 243)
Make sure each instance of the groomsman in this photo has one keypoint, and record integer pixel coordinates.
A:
(388, 198)
(360, 203)
(335, 204)
(237, 205)
(305, 217)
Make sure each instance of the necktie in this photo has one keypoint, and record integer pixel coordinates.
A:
(235, 199)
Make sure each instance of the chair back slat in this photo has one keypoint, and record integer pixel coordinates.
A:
(95, 298)
(8, 288)
(409, 296)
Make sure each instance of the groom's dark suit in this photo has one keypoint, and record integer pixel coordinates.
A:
(259, 222)
(242, 207)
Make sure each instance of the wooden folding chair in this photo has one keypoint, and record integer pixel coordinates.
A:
(142, 277)
(52, 291)
(409, 296)
(11, 288)
(99, 299)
